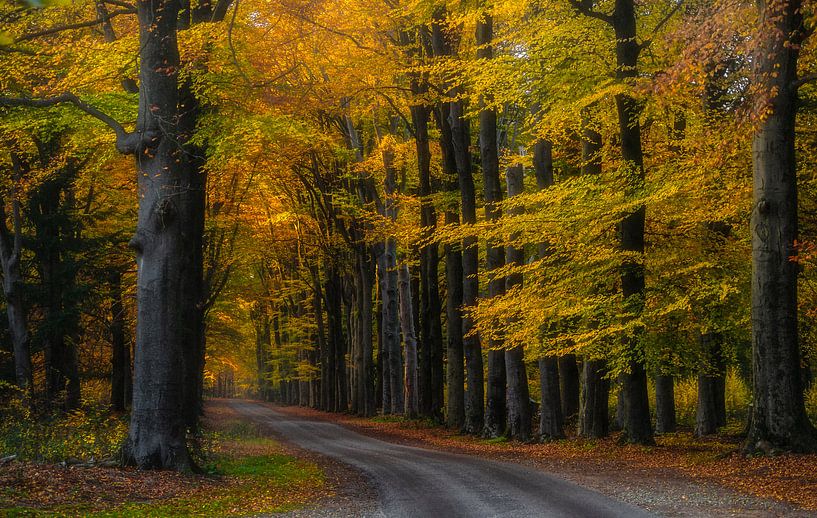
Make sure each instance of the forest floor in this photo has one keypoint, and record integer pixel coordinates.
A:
(679, 476)
(246, 473)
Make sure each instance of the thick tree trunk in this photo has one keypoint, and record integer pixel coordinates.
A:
(778, 412)
(162, 242)
(569, 386)
(455, 373)
(495, 255)
(412, 404)
(431, 338)
(637, 426)
(594, 413)
(665, 403)
(475, 392)
(365, 385)
(594, 418)
(518, 396)
(710, 411)
(551, 418)
(390, 298)
(385, 332)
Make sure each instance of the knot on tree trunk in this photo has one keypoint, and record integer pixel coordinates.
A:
(165, 212)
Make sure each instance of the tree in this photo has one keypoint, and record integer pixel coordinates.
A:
(778, 413)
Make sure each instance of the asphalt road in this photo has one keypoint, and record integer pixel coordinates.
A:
(415, 482)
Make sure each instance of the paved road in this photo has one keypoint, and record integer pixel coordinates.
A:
(415, 482)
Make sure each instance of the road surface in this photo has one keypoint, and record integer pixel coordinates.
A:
(415, 482)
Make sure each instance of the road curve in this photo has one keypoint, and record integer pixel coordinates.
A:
(415, 482)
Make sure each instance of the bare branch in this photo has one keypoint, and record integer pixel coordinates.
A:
(660, 24)
(72, 26)
(126, 142)
(586, 8)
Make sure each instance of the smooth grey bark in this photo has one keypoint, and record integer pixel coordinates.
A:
(455, 373)
(475, 377)
(594, 418)
(10, 256)
(391, 316)
(430, 308)
(778, 413)
(364, 368)
(637, 425)
(518, 395)
(384, 345)
(495, 255)
(412, 403)
(551, 418)
(665, 403)
(569, 385)
(156, 438)
(710, 411)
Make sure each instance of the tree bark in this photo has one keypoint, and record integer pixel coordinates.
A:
(637, 426)
(495, 256)
(412, 404)
(569, 386)
(455, 374)
(778, 411)
(665, 403)
(551, 418)
(162, 242)
(475, 392)
(594, 418)
(390, 297)
(10, 256)
(518, 396)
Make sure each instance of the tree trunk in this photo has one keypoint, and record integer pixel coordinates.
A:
(412, 404)
(518, 397)
(162, 243)
(121, 380)
(475, 393)
(10, 255)
(551, 421)
(390, 298)
(637, 426)
(455, 374)
(431, 330)
(569, 386)
(778, 412)
(594, 418)
(551, 418)
(665, 403)
(386, 335)
(495, 255)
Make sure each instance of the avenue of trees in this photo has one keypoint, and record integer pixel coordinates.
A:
(521, 218)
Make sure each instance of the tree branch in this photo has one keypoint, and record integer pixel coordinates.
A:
(808, 78)
(660, 25)
(72, 26)
(126, 142)
(585, 7)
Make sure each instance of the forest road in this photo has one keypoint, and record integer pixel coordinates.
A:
(415, 482)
